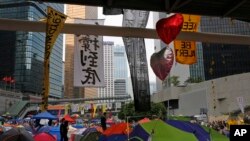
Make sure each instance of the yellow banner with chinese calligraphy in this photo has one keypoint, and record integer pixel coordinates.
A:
(185, 51)
(54, 25)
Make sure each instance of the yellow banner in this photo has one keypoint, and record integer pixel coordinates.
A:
(94, 110)
(190, 23)
(55, 23)
(104, 108)
(185, 51)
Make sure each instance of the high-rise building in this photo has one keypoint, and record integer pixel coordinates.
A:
(120, 71)
(22, 52)
(75, 12)
(108, 90)
(219, 60)
(197, 69)
(224, 59)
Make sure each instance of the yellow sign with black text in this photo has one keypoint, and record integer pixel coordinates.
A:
(54, 25)
(185, 51)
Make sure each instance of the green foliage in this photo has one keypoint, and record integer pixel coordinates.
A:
(181, 118)
(174, 80)
(128, 110)
(194, 80)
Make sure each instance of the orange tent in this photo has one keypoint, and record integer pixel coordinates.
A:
(144, 120)
(120, 128)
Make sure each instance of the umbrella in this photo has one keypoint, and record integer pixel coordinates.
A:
(44, 115)
(16, 134)
(75, 116)
(68, 118)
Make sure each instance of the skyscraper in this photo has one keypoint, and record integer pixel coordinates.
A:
(108, 90)
(224, 59)
(120, 71)
(22, 52)
(76, 12)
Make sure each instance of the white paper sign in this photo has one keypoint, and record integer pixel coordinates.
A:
(88, 61)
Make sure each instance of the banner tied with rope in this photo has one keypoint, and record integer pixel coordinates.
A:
(55, 22)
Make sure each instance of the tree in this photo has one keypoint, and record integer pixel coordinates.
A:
(194, 80)
(128, 110)
(174, 80)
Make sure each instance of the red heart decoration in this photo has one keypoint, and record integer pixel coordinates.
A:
(169, 28)
(162, 62)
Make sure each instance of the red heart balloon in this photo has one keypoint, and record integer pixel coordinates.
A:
(162, 62)
(169, 28)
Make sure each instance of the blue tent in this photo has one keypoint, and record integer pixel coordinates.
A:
(44, 115)
(55, 131)
(115, 137)
(158, 130)
(196, 129)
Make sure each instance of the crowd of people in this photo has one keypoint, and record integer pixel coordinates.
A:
(221, 126)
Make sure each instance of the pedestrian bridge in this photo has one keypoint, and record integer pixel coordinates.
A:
(20, 108)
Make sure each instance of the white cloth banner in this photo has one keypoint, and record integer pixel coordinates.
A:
(240, 101)
(88, 60)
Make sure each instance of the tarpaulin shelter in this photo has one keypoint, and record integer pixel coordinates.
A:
(158, 130)
(44, 137)
(200, 133)
(44, 115)
(16, 134)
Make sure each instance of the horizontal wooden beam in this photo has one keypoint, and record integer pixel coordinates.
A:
(38, 26)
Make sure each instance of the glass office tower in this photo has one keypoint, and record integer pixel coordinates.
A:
(120, 71)
(22, 52)
(224, 59)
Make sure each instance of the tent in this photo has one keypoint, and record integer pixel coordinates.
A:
(121, 128)
(117, 132)
(144, 120)
(44, 137)
(196, 129)
(90, 134)
(44, 115)
(16, 134)
(115, 137)
(158, 130)
(42, 129)
(55, 131)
